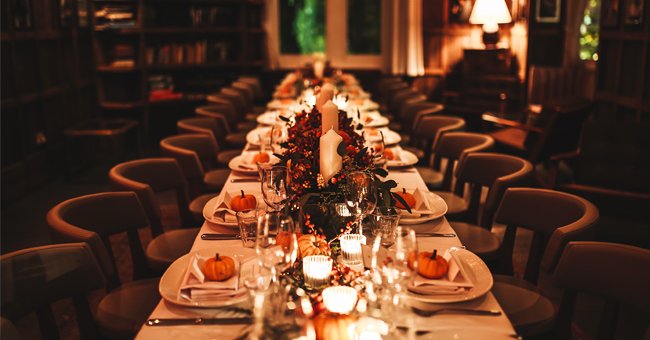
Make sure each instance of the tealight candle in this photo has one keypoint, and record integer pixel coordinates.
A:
(317, 270)
(340, 299)
(351, 250)
(319, 69)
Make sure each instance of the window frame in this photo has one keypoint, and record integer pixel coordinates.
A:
(336, 26)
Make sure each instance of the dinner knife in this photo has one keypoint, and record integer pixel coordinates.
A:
(435, 234)
(210, 237)
(243, 179)
(198, 321)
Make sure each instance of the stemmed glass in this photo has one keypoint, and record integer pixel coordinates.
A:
(360, 196)
(274, 187)
(276, 245)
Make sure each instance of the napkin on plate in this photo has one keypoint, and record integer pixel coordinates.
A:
(223, 210)
(455, 282)
(421, 207)
(195, 286)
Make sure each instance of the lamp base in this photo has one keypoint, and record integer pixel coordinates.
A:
(490, 39)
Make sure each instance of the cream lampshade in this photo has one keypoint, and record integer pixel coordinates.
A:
(490, 13)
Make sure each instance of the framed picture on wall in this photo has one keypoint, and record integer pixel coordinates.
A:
(610, 12)
(633, 12)
(548, 11)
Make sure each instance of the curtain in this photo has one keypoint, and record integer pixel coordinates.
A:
(272, 27)
(406, 51)
(574, 15)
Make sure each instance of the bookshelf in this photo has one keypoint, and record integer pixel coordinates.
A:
(171, 53)
(47, 86)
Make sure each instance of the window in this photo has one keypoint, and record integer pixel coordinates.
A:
(364, 29)
(349, 32)
(589, 31)
(302, 26)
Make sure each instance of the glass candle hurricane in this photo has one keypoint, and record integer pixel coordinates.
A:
(317, 270)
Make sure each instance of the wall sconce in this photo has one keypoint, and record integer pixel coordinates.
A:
(490, 13)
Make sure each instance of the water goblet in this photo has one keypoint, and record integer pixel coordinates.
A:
(274, 187)
(360, 196)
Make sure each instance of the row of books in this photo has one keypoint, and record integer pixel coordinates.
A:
(198, 52)
(115, 16)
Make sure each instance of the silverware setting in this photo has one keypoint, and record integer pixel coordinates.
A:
(244, 179)
(484, 312)
(435, 234)
(198, 321)
(210, 237)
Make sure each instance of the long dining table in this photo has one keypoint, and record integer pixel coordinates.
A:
(495, 327)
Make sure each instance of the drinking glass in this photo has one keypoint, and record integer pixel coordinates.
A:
(383, 225)
(360, 196)
(247, 222)
(276, 244)
(274, 187)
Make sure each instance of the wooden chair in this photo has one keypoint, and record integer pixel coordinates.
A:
(449, 149)
(398, 100)
(611, 168)
(8, 330)
(92, 219)
(230, 138)
(212, 128)
(195, 155)
(34, 278)
(497, 172)
(238, 119)
(147, 178)
(425, 136)
(410, 114)
(553, 131)
(256, 85)
(555, 218)
(616, 272)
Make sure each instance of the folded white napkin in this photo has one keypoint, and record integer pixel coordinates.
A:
(421, 207)
(455, 282)
(195, 286)
(223, 211)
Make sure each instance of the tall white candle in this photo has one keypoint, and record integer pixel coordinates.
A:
(326, 93)
(330, 161)
(330, 114)
(319, 69)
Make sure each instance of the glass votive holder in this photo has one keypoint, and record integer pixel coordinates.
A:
(247, 222)
(316, 270)
(340, 299)
(384, 225)
(351, 250)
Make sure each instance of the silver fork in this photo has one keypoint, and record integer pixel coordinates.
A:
(448, 310)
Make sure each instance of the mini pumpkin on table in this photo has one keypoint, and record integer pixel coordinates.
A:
(219, 268)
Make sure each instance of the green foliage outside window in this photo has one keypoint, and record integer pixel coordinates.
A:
(302, 26)
(589, 31)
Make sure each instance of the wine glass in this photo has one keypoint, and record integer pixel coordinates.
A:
(360, 196)
(274, 187)
(276, 244)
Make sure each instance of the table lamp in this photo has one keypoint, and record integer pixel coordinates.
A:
(490, 13)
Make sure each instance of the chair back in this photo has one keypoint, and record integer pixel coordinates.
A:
(203, 125)
(429, 130)
(222, 113)
(388, 87)
(195, 153)
(554, 217)
(397, 101)
(237, 98)
(413, 110)
(497, 172)
(93, 219)
(452, 145)
(549, 84)
(8, 330)
(255, 83)
(233, 114)
(617, 272)
(246, 89)
(560, 124)
(34, 278)
(148, 177)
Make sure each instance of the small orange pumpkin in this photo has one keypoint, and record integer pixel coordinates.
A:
(261, 157)
(243, 202)
(389, 154)
(332, 326)
(431, 265)
(311, 244)
(219, 268)
(407, 197)
(284, 239)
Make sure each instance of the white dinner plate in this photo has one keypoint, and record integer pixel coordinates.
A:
(475, 270)
(208, 210)
(406, 158)
(377, 120)
(278, 104)
(390, 137)
(467, 334)
(235, 164)
(272, 118)
(436, 203)
(170, 282)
